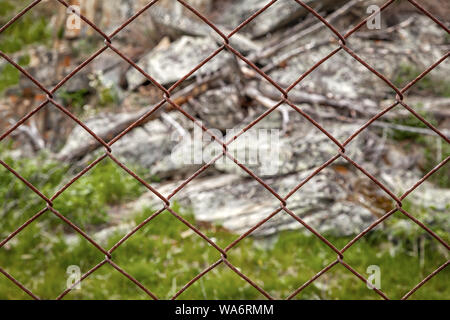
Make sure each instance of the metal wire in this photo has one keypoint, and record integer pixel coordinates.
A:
(284, 99)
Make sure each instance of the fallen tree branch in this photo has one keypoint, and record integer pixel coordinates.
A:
(269, 103)
(273, 49)
(360, 106)
(279, 61)
(376, 35)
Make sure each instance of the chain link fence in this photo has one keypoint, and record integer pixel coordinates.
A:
(108, 146)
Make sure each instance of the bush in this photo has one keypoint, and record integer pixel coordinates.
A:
(85, 202)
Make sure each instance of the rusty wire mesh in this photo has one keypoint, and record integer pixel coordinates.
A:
(284, 99)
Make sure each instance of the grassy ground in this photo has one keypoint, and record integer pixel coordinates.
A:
(165, 254)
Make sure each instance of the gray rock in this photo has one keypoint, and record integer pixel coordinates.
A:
(176, 23)
(169, 65)
(267, 152)
(149, 147)
(220, 108)
(332, 202)
(343, 77)
(238, 204)
(99, 125)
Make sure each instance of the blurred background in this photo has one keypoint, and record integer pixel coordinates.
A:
(167, 41)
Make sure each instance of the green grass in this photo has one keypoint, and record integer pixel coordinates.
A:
(442, 177)
(75, 99)
(84, 202)
(428, 145)
(29, 29)
(431, 157)
(428, 85)
(164, 256)
(412, 121)
(9, 76)
(106, 92)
